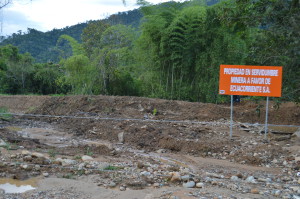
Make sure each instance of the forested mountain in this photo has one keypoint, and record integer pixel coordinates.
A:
(173, 52)
(43, 46)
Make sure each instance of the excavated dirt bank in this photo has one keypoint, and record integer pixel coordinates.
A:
(135, 107)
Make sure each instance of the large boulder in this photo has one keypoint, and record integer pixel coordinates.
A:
(2, 143)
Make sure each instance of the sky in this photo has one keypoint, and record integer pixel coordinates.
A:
(45, 15)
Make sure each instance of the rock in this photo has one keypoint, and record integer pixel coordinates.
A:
(297, 159)
(21, 176)
(214, 182)
(65, 162)
(145, 173)
(251, 179)
(264, 180)
(86, 158)
(286, 178)
(297, 133)
(161, 151)
(185, 178)
(213, 175)
(277, 193)
(81, 166)
(234, 178)
(57, 161)
(254, 191)
(295, 188)
(122, 188)
(41, 161)
(103, 165)
(112, 185)
(232, 187)
(2, 192)
(140, 165)
(2, 143)
(121, 137)
(37, 167)
(156, 185)
(287, 196)
(299, 181)
(200, 185)
(149, 196)
(175, 176)
(46, 174)
(190, 184)
(174, 197)
(24, 166)
(27, 158)
(38, 155)
(13, 156)
(25, 153)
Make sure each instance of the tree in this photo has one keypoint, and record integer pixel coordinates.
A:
(275, 37)
(80, 74)
(91, 36)
(46, 79)
(4, 3)
(18, 73)
(114, 56)
(76, 47)
(183, 47)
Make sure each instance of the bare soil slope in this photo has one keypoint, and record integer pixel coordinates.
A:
(137, 107)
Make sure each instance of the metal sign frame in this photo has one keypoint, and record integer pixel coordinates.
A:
(250, 80)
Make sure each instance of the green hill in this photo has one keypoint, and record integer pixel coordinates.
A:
(43, 45)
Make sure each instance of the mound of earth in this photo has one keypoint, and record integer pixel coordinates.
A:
(285, 113)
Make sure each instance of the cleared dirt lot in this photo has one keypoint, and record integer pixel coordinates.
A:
(129, 147)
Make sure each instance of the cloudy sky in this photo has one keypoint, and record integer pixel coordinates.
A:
(45, 15)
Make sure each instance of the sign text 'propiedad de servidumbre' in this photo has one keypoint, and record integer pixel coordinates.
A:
(250, 80)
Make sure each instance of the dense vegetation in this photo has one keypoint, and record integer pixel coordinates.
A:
(173, 53)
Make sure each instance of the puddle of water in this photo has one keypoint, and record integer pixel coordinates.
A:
(17, 186)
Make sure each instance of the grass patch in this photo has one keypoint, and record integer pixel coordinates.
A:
(10, 146)
(58, 95)
(154, 113)
(89, 152)
(77, 157)
(4, 115)
(14, 128)
(31, 109)
(69, 176)
(111, 168)
(52, 153)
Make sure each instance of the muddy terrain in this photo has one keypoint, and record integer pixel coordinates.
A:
(130, 147)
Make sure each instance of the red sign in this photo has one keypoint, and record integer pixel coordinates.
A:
(250, 80)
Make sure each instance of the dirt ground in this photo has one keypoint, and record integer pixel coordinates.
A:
(137, 145)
